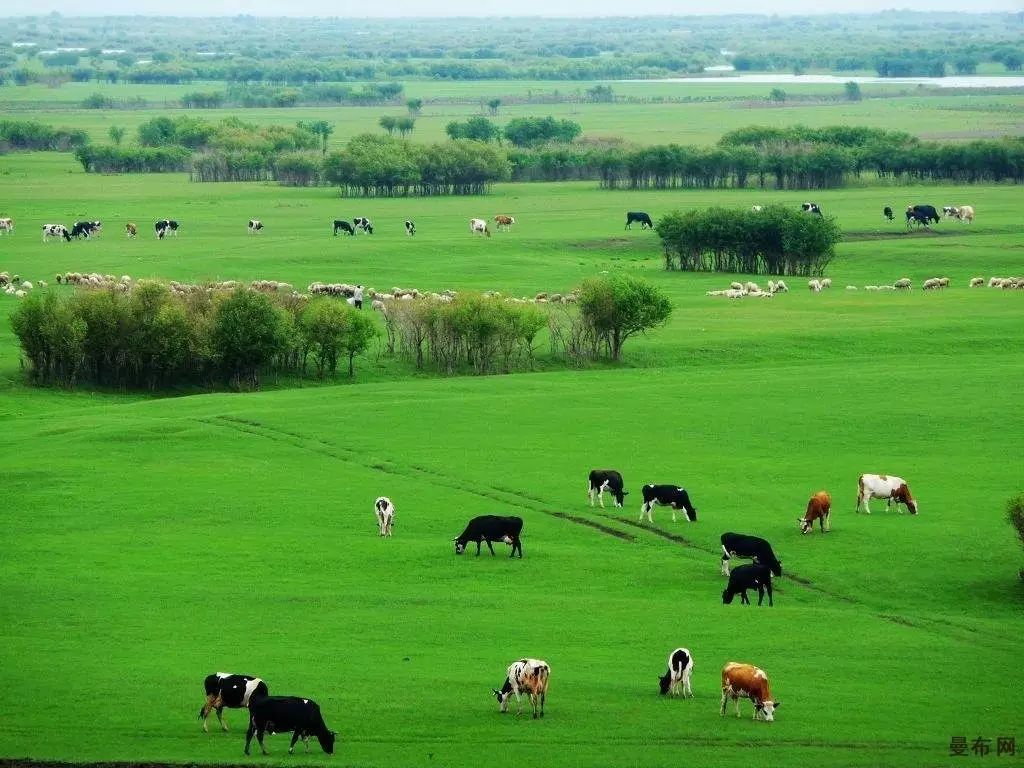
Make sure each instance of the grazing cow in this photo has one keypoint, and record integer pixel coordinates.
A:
(748, 682)
(410, 228)
(602, 480)
(385, 514)
(751, 548)
(255, 225)
(887, 212)
(923, 215)
(965, 213)
(233, 691)
(641, 218)
(165, 227)
(488, 528)
(343, 226)
(55, 230)
(819, 508)
(667, 496)
(529, 676)
(85, 229)
(884, 487)
(504, 222)
(280, 714)
(479, 225)
(756, 208)
(811, 208)
(363, 223)
(744, 577)
(7, 226)
(130, 229)
(677, 679)
(950, 211)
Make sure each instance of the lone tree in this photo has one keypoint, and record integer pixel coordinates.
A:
(852, 90)
(116, 134)
(415, 106)
(389, 124)
(405, 125)
(320, 128)
(617, 308)
(492, 106)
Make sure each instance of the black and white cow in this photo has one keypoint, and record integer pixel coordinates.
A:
(410, 227)
(677, 679)
(281, 714)
(744, 577)
(529, 676)
(922, 215)
(811, 208)
(363, 223)
(86, 229)
(255, 225)
(166, 227)
(667, 496)
(6, 226)
(750, 547)
(639, 217)
(340, 225)
(602, 480)
(55, 230)
(233, 691)
(488, 528)
(385, 512)
(887, 212)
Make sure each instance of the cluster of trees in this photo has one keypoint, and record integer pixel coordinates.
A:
(773, 241)
(151, 337)
(31, 135)
(114, 159)
(254, 95)
(520, 131)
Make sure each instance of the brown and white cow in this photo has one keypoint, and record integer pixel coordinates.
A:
(479, 225)
(6, 226)
(745, 681)
(887, 487)
(527, 676)
(819, 508)
(130, 229)
(504, 222)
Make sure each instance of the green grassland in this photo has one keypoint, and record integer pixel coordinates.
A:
(150, 540)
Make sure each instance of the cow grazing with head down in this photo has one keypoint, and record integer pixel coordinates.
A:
(745, 681)
(601, 480)
(255, 226)
(385, 512)
(340, 225)
(811, 208)
(528, 676)
(233, 691)
(887, 212)
(488, 528)
(640, 218)
(479, 226)
(922, 215)
(744, 577)
(886, 487)
(504, 222)
(410, 227)
(819, 508)
(281, 714)
(667, 496)
(677, 679)
(7, 226)
(751, 548)
(55, 230)
(130, 229)
(364, 224)
(85, 229)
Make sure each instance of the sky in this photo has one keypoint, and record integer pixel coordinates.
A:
(442, 8)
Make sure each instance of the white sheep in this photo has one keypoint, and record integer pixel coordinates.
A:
(814, 285)
(943, 282)
(781, 287)
(851, 287)
(736, 286)
(931, 284)
(903, 283)
(977, 282)
(826, 282)
(752, 288)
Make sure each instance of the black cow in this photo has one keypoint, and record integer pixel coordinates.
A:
(280, 714)
(602, 480)
(750, 547)
(232, 691)
(363, 223)
(639, 216)
(85, 229)
(410, 227)
(744, 577)
(667, 496)
(491, 528)
(166, 227)
(811, 208)
(922, 215)
(344, 226)
(887, 212)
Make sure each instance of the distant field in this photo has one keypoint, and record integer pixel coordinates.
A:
(151, 540)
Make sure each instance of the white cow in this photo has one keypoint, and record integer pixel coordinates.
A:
(385, 514)
(479, 225)
(7, 226)
(884, 487)
(529, 676)
(965, 213)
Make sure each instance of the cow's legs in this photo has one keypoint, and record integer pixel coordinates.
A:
(673, 507)
(295, 737)
(744, 600)
(827, 518)
(590, 493)
(249, 733)
(220, 718)
(259, 738)
(490, 547)
(737, 700)
(600, 493)
(725, 700)
(725, 561)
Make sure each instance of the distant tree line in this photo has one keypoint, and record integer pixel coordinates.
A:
(31, 135)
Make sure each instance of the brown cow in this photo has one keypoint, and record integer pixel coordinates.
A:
(130, 229)
(819, 508)
(504, 222)
(748, 682)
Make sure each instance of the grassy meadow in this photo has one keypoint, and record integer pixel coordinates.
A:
(153, 539)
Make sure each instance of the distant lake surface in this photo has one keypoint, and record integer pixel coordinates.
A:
(958, 81)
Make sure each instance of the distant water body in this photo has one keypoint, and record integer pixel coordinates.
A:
(959, 81)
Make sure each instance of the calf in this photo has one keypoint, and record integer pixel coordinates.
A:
(751, 548)
(479, 225)
(130, 229)
(233, 691)
(280, 714)
(744, 577)
(363, 223)
(7, 226)
(343, 226)
(385, 514)
(488, 528)
(748, 682)
(819, 508)
(677, 679)
(639, 217)
(55, 230)
(504, 222)
(602, 480)
(884, 487)
(887, 212)
(410, 228)
(667, 496)
(255, 225)
(811, 208)
(526, 675)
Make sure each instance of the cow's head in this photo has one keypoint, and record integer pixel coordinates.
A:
(620, 497)
(727, 597)
(460, 546)
(326, 740)
(776, 568)
(805, 524)
(691, 514)
(503, 695)
(665, 682)
(902, 494)
(766, 709)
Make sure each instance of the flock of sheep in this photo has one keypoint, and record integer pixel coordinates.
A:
(738, 290)
(378, 298)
